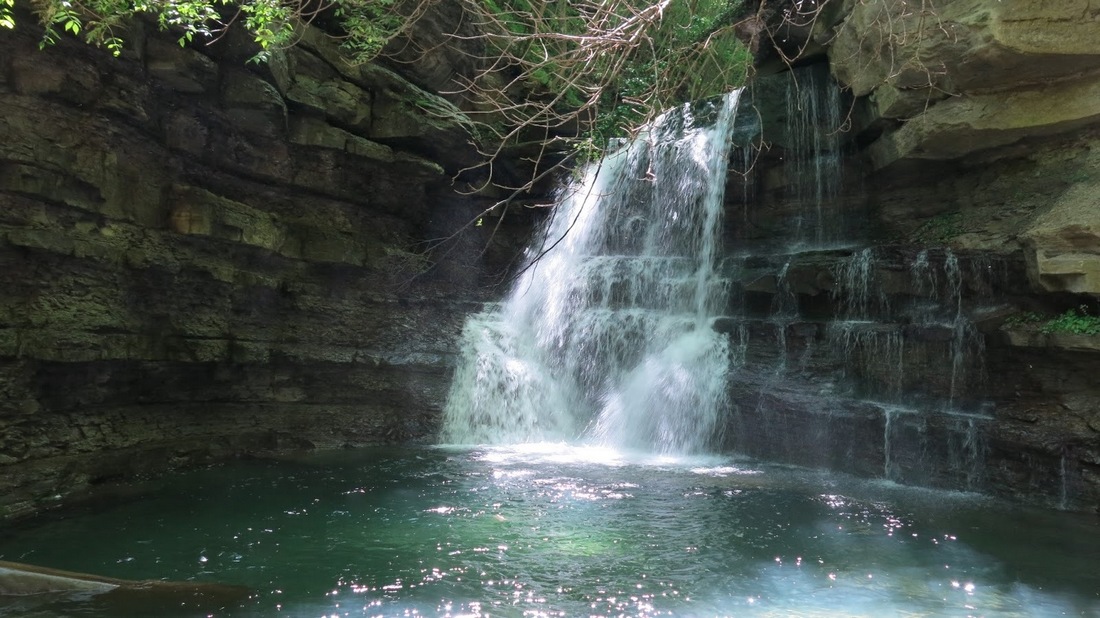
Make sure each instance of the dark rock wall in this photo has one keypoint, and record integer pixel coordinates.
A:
(970, 155)
(201, 258)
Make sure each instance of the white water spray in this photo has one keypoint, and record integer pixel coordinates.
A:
(606, 337)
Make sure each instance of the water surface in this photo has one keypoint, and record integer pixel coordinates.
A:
(554, 530)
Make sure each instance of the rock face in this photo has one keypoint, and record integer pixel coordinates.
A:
(916, 340)
(967, 75)
(972, 80)
(1064, 241)
(202, 258)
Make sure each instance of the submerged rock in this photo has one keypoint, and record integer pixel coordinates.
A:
(18, 579)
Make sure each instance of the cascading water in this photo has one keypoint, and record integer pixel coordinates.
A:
(889, 374)
(624, 331)
(606, 337)
(815, 156)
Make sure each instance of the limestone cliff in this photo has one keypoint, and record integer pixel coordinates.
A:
(990, 120)
(976, 82)
(201, 257)
(970, 135)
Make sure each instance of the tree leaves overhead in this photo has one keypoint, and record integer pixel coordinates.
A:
(609, 64)
(576, 70)
(7, 20)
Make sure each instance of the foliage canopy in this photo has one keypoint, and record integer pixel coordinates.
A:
(551, 69)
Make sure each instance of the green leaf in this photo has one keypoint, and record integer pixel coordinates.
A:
(7, 20)
(114, 44)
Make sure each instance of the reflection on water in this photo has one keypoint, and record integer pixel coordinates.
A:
(555, 530)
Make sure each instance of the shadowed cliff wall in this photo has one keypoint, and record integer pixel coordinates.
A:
(969, 197)
(201, 258)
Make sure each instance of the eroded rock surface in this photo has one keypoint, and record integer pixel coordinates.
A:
(203, 258)
(969, 152)
(957, 77)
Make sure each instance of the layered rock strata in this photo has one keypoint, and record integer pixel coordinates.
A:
(201, 257)
(968, 145)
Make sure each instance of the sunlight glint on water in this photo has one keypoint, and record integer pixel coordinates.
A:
(540, 529)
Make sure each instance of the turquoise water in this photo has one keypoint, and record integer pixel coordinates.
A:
(553, 530)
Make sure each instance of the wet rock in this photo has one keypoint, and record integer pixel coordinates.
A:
(972, 155)
(724, 325)
(17, 579)
(930, 332)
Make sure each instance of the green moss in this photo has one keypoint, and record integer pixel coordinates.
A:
(1074, 321)
(939, 229)
(1079, 175)
(1023, 320)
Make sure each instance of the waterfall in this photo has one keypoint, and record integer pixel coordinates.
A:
(889, 375)
(854, 289)
(813, 110)
(606, 337)
(625, 329)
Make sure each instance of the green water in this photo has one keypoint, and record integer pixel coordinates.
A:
(561, 531)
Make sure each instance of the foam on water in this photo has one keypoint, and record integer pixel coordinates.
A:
(535, 530)
(606, 338)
